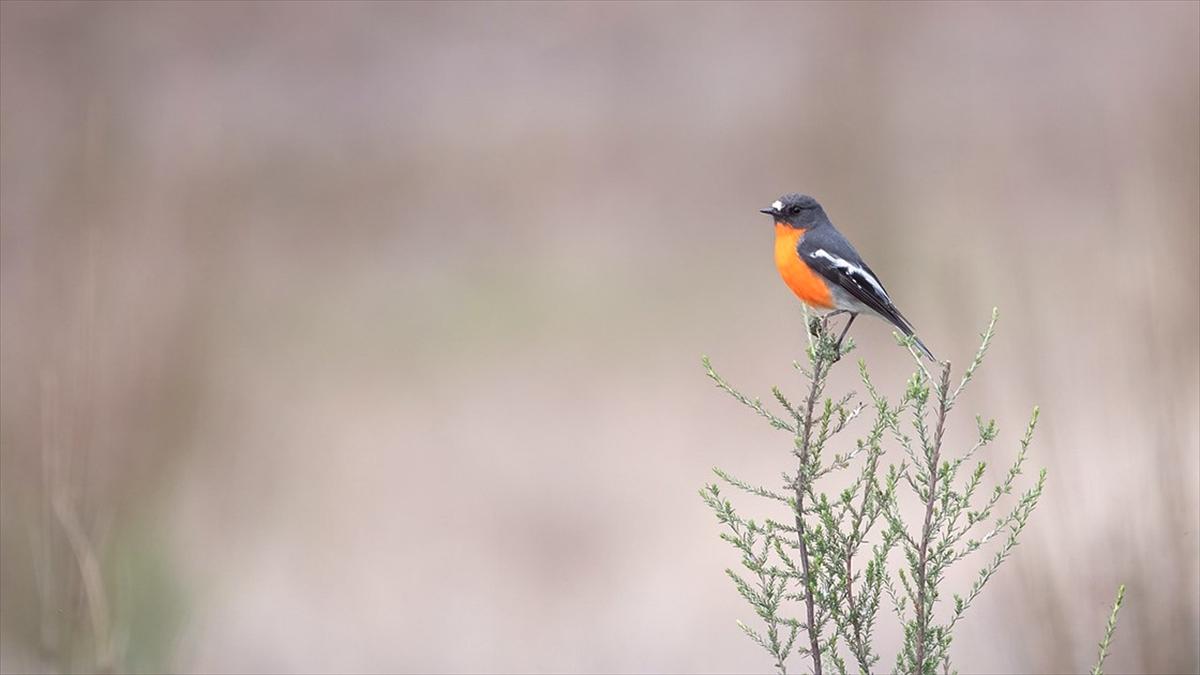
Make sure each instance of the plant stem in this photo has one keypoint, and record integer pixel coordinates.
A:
(813, 639)
(1109, 629)
(934, 456)
(821, 361)
(850, 604)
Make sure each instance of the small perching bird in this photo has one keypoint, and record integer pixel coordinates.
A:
(824, 270)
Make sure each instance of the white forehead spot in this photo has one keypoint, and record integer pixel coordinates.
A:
(777, 205)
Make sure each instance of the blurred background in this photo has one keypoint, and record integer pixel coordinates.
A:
(366, 337)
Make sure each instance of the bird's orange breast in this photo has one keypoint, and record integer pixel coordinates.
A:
(806, 284)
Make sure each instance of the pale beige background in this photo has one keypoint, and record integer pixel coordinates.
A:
(366, 337)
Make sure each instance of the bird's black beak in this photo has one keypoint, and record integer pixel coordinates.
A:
(770, 211)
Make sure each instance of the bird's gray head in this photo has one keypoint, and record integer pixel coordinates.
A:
(796, 210)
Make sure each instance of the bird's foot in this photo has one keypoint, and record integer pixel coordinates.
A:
(816, 327)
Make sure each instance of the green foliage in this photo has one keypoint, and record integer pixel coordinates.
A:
(1111, 628)
(817, 578)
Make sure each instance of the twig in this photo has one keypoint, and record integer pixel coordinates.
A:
(1111, 628)
(753, 404)
(823, 353)
(820, 359)
(935, 450)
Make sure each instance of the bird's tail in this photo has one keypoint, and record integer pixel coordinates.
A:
(925, 350)
(907, 329)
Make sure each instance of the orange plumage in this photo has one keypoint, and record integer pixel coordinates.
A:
(806, 284)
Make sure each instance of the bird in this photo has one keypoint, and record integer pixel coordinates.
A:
(825, 271)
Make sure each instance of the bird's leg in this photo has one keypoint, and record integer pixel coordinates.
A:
(845, 330)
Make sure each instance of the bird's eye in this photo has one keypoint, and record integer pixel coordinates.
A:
(794, 209)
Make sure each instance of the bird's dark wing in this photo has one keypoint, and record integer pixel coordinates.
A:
(830, 255)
